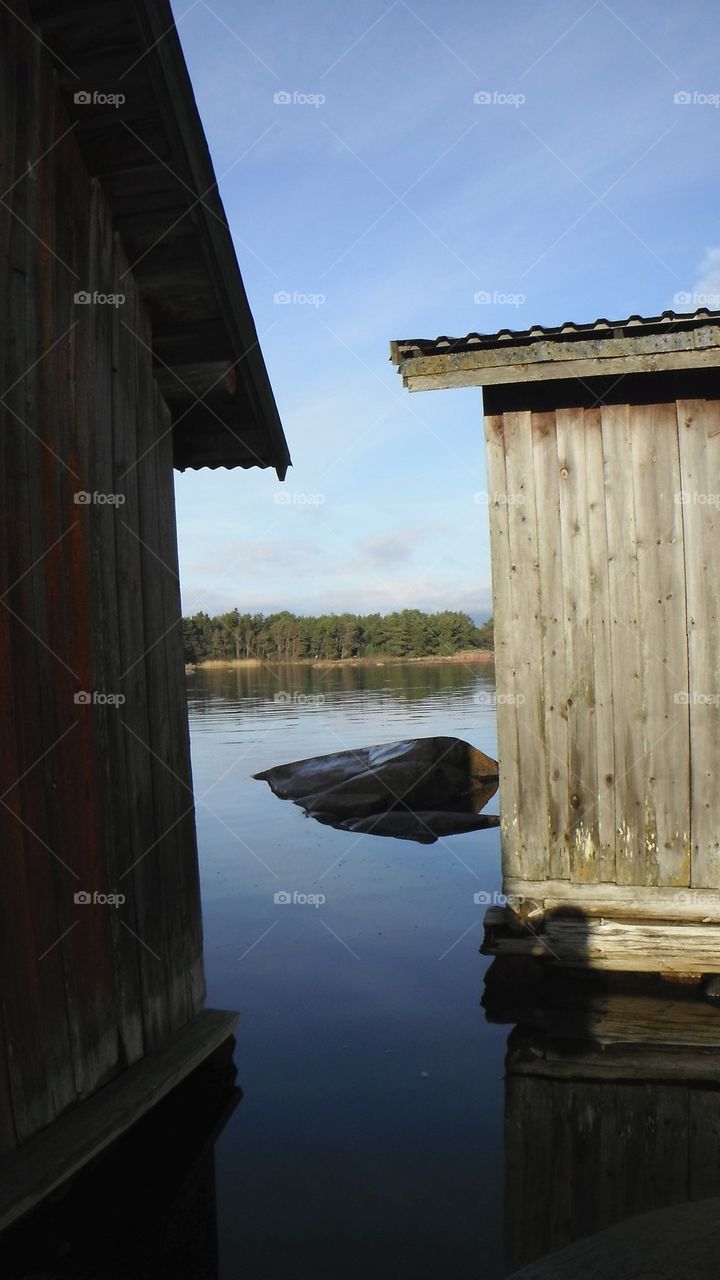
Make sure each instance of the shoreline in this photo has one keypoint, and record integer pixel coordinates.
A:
(468, 655)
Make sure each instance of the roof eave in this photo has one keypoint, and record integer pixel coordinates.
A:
(634, 346)
(152, 159)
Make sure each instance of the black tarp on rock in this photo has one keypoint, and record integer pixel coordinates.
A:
(418, 789)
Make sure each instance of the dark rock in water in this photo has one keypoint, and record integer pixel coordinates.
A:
(418, 789)
(423, 827)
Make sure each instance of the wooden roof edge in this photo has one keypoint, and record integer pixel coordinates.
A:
(637, 346)
(176, 101)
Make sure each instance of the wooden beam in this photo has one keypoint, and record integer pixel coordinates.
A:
(585, 1061)
(589, 942)
(648, 902)
(43, 1163)
(551, 349)
(566, 362)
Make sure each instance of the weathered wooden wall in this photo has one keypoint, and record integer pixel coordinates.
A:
(93, 797)
(608, 642)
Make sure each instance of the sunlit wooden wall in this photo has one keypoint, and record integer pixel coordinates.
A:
(605, 531)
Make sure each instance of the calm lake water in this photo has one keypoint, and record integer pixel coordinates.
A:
(387, 1130)
(369, 1139)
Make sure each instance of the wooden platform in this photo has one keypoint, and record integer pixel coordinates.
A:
(43, 1163)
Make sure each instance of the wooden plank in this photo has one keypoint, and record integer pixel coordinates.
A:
(87, 946)
(564, 366)
(547, 504)
(505, 670)
(109, 533)
(13, 836)
(50, 1158)
(187, 961)
(167, 849)
(663, 640)
(35, 1024)
(600, 943)
(581, 780)
(558, 351)
(137, 878)
(699, 440)
(527, 691)
(625, 649)
(703, 1127)
(609, 899)
(615, 1063)
(600, 628)
(153, 872)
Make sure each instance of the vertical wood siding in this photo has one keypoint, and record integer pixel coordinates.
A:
(603, 523)
(93, 797)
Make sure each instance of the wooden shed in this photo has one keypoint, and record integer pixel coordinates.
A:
(603, 458)
(127, 348)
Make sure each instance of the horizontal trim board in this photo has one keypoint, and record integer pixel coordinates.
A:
(47, 1160)
(553, 350)
(598, 943)
(661, 903)
(561, 367)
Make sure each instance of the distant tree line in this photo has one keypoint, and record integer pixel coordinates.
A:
(286, 637)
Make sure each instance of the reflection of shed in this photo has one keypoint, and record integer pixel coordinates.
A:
(603, 448)
(612, 1103)
(129, 347)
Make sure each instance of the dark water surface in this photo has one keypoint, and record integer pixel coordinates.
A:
(369, 1139)
(388, 1126)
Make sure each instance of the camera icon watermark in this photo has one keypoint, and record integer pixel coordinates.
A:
(98, 699)
(96, 899)
(484, 298)
(515, 901)
(85, 499)
(86, 298)
(96, 98)
(695, 498)
(293, 498)
(298, 699)
(285, 98)
(693, 301)
(683, 698)
(491, 698)
(283, 298)
(285, 898)
(496, 98)
(684, 98)
(483, 498)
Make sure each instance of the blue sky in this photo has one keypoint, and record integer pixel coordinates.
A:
(382, 199)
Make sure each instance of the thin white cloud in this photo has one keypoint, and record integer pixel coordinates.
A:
(709, 282)
(388, 548)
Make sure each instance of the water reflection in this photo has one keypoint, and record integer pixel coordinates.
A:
(146, 1209)
(612, 1110)
(280, 689)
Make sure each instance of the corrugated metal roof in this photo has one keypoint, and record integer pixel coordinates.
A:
(669, 321)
